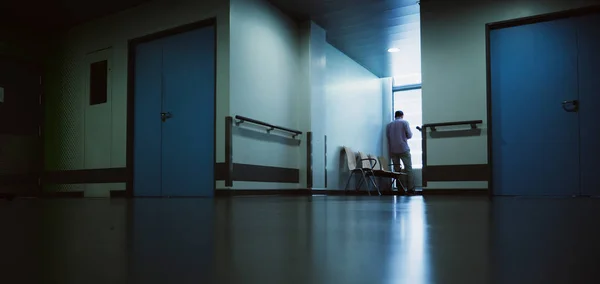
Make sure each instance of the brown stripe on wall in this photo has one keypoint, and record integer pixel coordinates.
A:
(109, 175)
(256, 173)
(244, 172)
(241, 172)
(456, 191)
(478, 172)
(243, 192)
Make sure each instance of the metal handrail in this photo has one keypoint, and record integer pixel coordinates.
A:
(241, 119)
(433, 126)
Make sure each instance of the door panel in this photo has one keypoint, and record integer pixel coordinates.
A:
(147, 130)
(589, 97)
(189, 96)
(535, 142)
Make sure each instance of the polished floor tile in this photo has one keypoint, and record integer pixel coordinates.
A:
(316, 239)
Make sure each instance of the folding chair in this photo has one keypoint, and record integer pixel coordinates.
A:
(384, 171)
(365, 170)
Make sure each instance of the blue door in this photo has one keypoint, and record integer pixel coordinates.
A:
(535, 142)
(589, 101)
(147, 130)
(175, 115)
(189, 97)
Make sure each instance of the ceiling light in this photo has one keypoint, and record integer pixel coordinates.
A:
(394, 49)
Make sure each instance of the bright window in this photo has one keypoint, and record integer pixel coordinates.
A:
(410, 103)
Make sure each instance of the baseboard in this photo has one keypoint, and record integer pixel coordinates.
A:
(327, 192)
(297, 192)
(118, 193)
(305, 192)
(457, 191)
(347, 193)
(287, 192)
(73, 194)
(363, 192)
(246, 192)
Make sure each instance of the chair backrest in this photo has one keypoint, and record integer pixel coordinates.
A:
(351, 158)
(366, 163)
(378, 165)
(384, 163)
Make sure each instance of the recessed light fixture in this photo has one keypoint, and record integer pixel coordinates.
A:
(394, 49)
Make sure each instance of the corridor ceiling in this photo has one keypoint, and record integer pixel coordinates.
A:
(366, 29)
(362, 29)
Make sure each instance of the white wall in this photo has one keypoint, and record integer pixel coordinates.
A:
(318, 106)
(454, 70)
(90, 137)
(266, 81)
(354, 101)
(387, 110)
(312, 101)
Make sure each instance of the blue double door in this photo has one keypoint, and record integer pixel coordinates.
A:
(174, 115)
(545, 89)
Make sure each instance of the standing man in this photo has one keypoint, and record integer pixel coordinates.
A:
(398, 132)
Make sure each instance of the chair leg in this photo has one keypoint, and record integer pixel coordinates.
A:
(360, 181)
(366, 183)
(375, 185)
(372, 182)
(348, 181)
(359, 185)
(402, 185)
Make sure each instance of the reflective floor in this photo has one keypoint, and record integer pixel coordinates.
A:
(318, 239)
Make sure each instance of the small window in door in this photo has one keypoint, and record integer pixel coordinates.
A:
(98, 82)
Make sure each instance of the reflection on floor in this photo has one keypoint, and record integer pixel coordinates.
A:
(301, 240)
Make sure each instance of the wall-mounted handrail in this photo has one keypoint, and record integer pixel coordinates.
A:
(241, 119)
(433, 127)
(230, 171)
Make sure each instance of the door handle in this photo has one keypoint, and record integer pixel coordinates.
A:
(571, 106)
(165, 115)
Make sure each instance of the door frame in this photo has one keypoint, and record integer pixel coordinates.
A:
(132, 44)
(514, 23)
